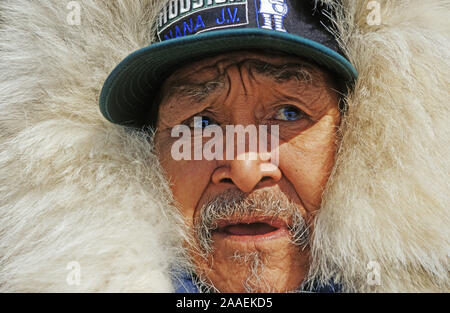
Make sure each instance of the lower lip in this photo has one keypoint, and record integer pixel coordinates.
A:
(278, 233)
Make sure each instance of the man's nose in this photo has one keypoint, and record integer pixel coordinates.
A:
(247, 172)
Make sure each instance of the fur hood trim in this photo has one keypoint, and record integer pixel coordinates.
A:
(78, 193)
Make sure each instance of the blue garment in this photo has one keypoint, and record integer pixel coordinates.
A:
(185, 284)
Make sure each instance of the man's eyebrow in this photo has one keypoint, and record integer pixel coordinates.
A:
(195, 91)
(285, 72)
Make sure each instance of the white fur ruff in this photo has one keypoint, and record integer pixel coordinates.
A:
(75, 188)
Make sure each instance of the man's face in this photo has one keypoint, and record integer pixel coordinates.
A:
(250, 217)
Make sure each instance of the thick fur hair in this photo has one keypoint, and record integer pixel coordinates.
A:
(76, 188)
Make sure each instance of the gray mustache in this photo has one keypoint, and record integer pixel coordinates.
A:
(236, 205)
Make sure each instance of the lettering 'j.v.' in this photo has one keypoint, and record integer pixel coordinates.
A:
(183, 18)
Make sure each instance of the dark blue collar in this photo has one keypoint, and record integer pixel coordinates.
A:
(184, 284)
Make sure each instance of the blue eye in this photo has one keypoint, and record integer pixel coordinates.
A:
(289, 113)
(201, 122)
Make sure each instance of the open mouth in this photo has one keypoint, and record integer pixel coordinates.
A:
(251, 229)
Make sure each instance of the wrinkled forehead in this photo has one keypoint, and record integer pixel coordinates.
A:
(211, 67)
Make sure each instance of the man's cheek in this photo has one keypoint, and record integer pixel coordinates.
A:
(307, 168)
(188, 180)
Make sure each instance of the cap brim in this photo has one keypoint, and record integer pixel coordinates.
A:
(127, 95)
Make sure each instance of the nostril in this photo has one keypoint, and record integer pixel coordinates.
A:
(226, 180)
(266, 178)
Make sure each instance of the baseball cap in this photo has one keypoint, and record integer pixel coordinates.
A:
(189, 30)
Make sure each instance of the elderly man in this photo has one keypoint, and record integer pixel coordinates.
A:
(251, 220)
(236, 148)
(249, 212)
(259, 215)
